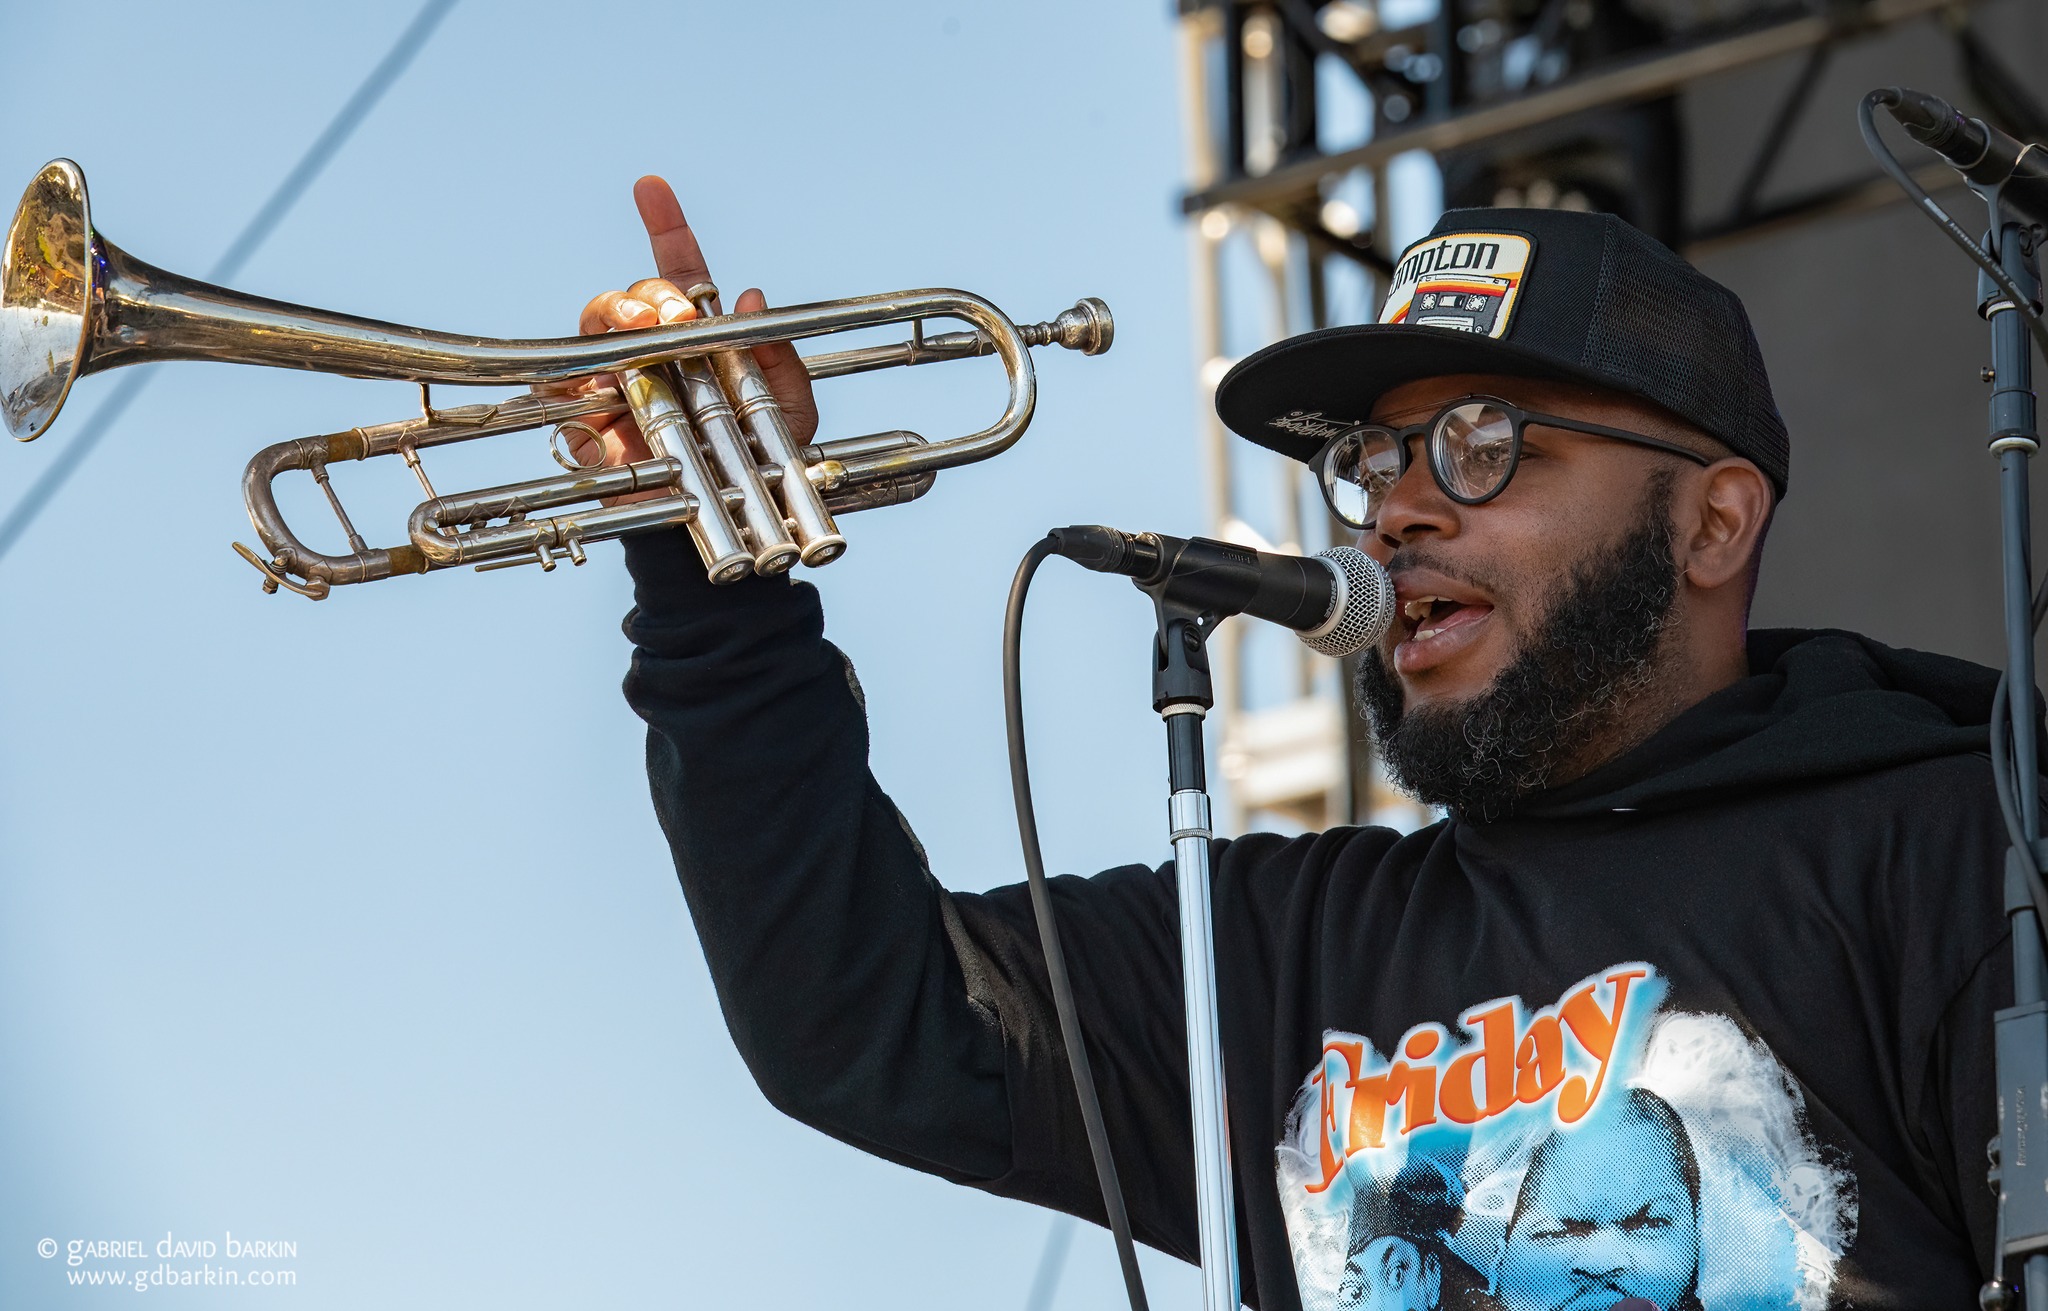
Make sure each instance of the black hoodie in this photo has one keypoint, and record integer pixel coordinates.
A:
(1709, 1026)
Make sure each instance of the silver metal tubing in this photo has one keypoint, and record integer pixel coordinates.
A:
(1215, 1199)
(843, 448)
(290, 556)
(875, 495)
(436, 524)
(1087, 328)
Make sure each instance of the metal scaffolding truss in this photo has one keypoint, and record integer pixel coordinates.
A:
(1542, 102)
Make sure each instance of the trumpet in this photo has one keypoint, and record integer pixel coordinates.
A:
(722, 460)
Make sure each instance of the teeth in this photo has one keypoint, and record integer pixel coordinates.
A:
(1419, 608)
(1427, 633)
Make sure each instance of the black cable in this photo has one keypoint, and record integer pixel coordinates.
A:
(1049, 934)
(2003, 782)
(2004, 769)
(2022, 304)
(337, 132)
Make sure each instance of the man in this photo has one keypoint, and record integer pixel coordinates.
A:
(1399, 1242)
(1606, 1216)
(1757, 872)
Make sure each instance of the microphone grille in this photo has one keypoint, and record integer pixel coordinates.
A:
(1364, 604)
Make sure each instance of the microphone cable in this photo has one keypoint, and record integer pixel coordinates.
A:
(2006, 772)
(1867, 121)
(1049, 934)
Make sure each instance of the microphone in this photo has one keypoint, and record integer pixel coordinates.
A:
(1337, 601)
(1980, 152)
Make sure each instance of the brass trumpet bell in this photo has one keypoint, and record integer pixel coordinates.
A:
(47, 281)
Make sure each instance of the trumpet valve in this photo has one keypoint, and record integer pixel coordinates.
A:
(777, 560)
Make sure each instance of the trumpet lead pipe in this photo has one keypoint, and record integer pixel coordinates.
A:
(1087, 328)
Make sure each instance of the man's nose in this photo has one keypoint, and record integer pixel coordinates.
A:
(1414, 507)
(1602, 1257)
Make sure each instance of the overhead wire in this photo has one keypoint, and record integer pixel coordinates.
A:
(79, 444)
(1052, 1262)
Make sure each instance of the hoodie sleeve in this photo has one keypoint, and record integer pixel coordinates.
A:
(867, 1001)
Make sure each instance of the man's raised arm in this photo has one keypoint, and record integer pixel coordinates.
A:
(867, 1000)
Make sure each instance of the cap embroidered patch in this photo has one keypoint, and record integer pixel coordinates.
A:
(1462, 280)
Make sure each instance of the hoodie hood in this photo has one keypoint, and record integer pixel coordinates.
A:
(1819, 703)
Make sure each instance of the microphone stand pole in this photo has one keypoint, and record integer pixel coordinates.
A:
(1182, 694)
(2022, 1029)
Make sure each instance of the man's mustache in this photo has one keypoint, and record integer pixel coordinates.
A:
(1412, 559)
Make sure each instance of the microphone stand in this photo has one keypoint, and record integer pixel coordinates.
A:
(2020, 1177)
(1182, 693)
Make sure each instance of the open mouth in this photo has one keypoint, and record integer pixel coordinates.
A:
(1434, 628)
(1426, 616)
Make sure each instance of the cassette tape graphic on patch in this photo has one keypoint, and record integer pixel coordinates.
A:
(1469, 304)
(1466, 281)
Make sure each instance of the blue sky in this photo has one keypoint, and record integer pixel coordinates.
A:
(349, 924)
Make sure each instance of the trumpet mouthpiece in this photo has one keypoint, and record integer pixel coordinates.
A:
(1087, 328)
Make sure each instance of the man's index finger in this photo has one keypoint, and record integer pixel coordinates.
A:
(676, 253)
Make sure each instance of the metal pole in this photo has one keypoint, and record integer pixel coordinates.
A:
(1181, 693)
(1215, 1198)
(2014, 440)
(2022, 1029)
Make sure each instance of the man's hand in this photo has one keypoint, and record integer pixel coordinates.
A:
(654, 301)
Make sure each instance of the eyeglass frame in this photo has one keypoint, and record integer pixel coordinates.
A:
(1519, 417)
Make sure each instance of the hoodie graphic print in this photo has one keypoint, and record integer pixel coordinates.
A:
(1571, 1155)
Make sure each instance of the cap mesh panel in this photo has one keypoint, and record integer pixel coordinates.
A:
(1701, 362)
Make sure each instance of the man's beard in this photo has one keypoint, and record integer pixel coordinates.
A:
(1569, 683)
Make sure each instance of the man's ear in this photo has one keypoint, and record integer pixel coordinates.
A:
(1722, 523)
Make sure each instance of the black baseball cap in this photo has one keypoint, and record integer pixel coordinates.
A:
(1533, 293)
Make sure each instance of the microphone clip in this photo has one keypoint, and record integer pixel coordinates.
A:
(1180, 653)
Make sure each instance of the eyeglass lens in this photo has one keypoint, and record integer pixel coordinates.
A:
(1471, 452)
(1358, 471)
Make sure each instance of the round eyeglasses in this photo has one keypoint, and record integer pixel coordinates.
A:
(1474, 445)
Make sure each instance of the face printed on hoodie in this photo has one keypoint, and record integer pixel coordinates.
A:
(1608, 1215)
(1391, 1273)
